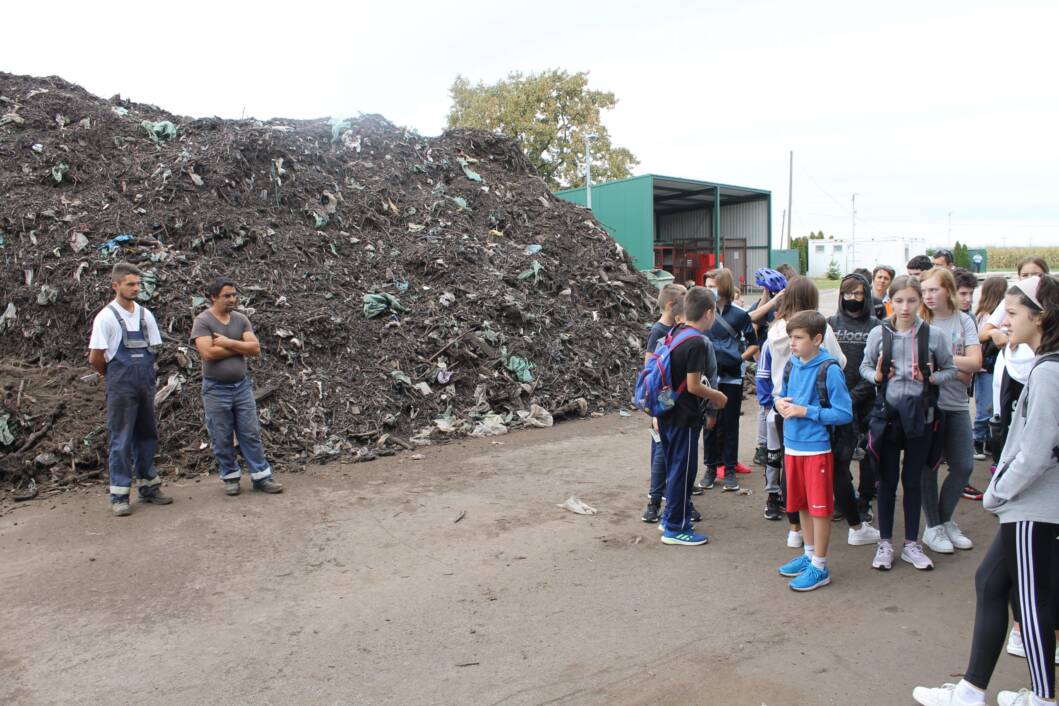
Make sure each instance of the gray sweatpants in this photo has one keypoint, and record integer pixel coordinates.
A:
(958, 450)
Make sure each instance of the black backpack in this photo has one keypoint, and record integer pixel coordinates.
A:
(930, 399)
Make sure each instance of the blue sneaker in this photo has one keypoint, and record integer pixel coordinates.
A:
(795, 566)
(810, 579)
(689, 538)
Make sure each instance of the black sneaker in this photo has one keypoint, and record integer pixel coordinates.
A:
(979, 451)
(773, 511)
(231, 487)
(696, 516)
(838, 516)
(706, 482)
(760, 456)
(653, 512)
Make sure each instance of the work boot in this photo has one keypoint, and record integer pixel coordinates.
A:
(231, 487)
(268, 486)
(156, 498)
(121, 508)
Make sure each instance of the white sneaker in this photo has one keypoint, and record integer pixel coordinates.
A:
(794, 539)
(1015, 648)
(884, 556)
(945, 695)
(913, 554)
(956, 536)
(1022, 697)
(865, 535)
(936, 539)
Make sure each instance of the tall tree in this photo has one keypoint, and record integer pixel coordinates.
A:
(550, 115)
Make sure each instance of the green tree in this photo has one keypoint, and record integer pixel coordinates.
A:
(833, 272)
(962, 256)
(550, 115)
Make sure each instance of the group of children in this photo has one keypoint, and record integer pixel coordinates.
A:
(887, 380)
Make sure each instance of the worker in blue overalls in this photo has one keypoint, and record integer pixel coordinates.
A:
(124, 337)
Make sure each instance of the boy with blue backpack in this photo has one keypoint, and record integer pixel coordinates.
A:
(812, 400)
(672, 388)
(671, 308)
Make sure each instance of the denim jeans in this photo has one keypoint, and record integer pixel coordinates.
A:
(231, 411)
(983, 405)
(721, 444)
(957, 451)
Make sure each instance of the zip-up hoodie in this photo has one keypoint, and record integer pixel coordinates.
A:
(763, 377)
(809, 434)
(905, 358)
(1026, 484)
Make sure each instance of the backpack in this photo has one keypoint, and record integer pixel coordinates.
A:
(821, 386)
(929, 401)
(654, 393)
(730, 352)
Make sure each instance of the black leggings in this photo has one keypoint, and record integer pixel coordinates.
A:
(909, 471)
(1024, 558)
(720, 445)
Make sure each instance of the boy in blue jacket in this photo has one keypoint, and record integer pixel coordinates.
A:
(807, 441)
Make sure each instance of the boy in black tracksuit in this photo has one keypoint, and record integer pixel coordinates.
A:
(851, 325)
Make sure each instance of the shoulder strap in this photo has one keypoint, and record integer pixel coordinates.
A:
(887, 350)
(786, 374)
(121, 323)
(923, 344)
(821, 383)
(727, 326)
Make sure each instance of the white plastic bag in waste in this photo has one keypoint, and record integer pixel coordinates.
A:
(577, 505)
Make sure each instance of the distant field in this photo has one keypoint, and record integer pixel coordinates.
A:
(1008, 258)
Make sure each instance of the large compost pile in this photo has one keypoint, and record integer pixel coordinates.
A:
(406, 289)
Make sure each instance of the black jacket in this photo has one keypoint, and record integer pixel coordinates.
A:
(852, 330)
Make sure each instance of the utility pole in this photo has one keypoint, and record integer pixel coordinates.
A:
(852, 262)
(588, 168)
(948, 241)
(790, 197)
(783, 229)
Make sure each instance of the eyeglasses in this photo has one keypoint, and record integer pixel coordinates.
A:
(947, 254)
(858, 294)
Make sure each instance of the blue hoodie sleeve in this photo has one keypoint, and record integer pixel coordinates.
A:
(763, 378)
(841, 410)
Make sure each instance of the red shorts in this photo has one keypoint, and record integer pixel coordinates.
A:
(810, 484)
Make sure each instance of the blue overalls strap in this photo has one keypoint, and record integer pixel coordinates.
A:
(125, 341)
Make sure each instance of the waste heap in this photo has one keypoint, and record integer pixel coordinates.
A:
(405, 289)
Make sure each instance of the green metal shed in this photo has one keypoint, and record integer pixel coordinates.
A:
(684, 226)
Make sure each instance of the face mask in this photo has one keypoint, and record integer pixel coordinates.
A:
(853, 305)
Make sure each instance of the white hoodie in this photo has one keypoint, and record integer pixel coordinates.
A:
(780, 343)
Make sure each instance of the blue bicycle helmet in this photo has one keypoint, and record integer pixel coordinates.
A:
(770, 280)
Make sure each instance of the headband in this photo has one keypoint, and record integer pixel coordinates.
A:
(1029, 287)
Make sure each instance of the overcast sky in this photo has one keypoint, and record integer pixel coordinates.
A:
(922, 108)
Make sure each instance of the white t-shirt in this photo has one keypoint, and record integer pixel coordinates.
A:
(106, 332)
(998, 317)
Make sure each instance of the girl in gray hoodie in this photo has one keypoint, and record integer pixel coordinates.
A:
(1024, 495)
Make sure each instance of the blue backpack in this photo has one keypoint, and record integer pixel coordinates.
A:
(654, 393)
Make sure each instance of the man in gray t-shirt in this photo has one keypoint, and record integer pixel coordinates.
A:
(224, 338)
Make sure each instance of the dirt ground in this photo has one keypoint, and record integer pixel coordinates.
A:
(358, 585)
